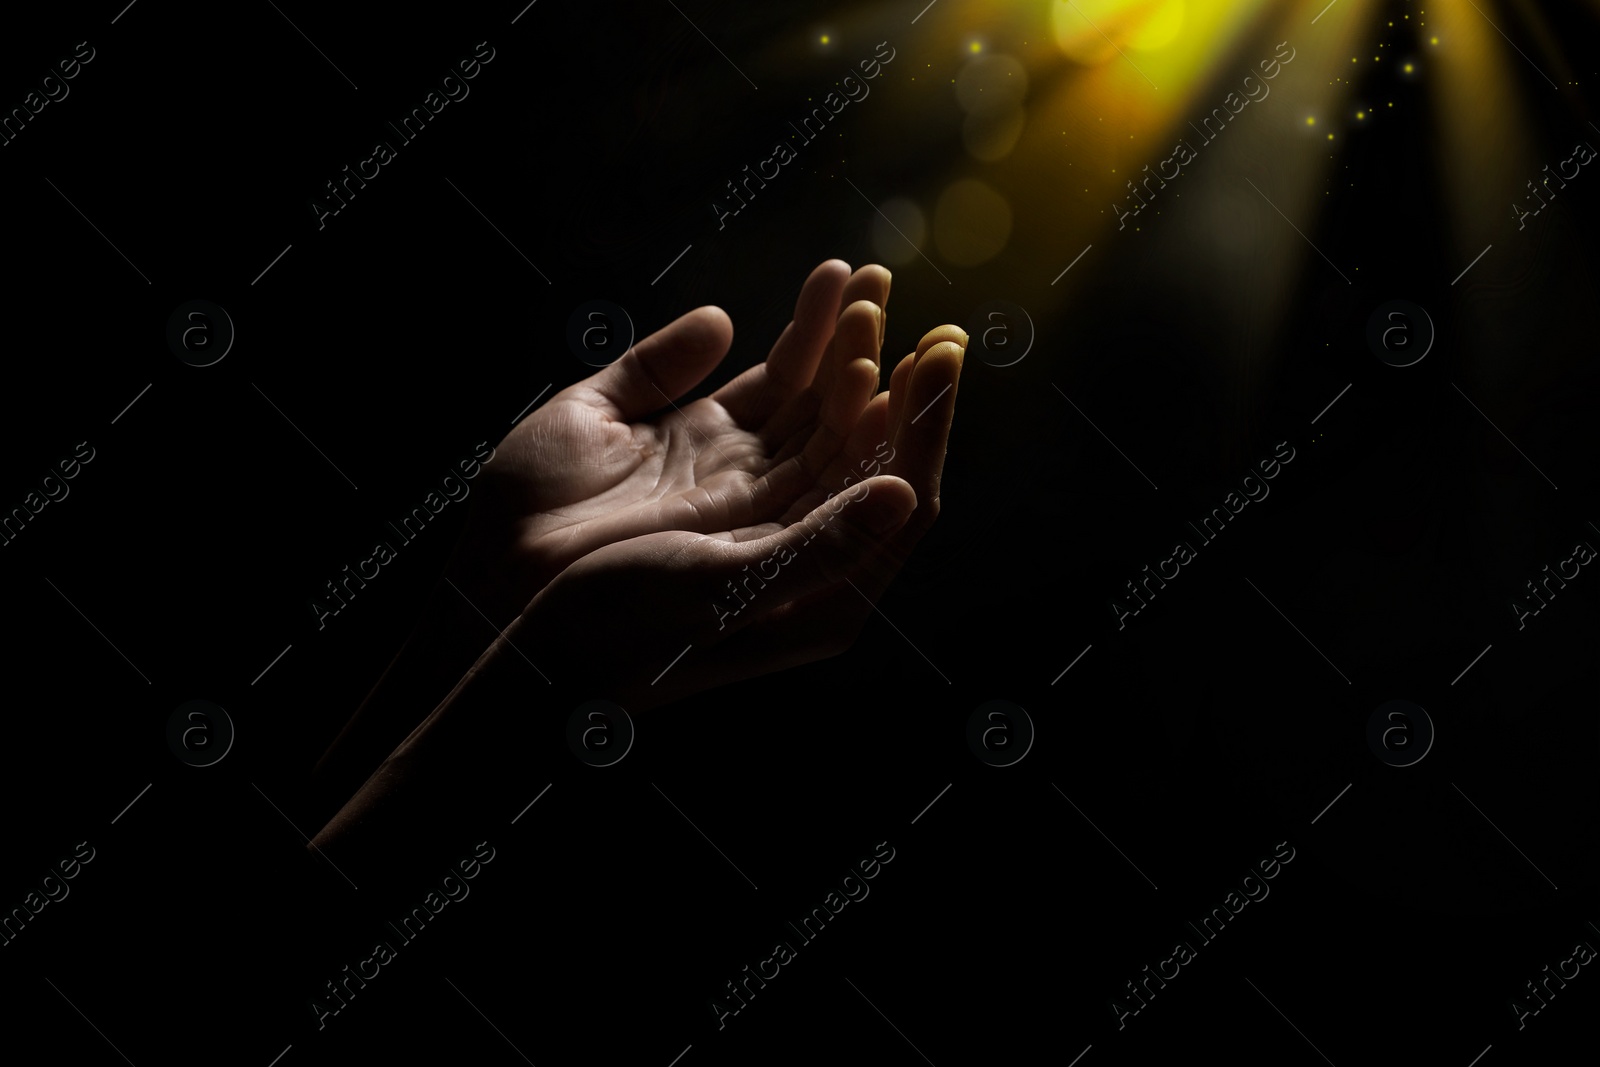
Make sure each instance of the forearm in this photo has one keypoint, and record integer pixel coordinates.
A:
(461, 615)
(468, 758)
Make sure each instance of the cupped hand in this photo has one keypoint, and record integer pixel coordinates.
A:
(616, 456)
(665, 615)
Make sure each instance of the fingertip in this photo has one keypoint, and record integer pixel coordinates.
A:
(939, 334)
(709, 326)
(887, 502)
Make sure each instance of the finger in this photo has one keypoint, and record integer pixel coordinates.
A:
(871, 284)
(857, 336)
(924, 431)
(662, 367)
(859, 459)
(760, 390)
(819, 551)
(901, 379)
(898, 380)
(854, 355)
(793, 360)
(822, 623)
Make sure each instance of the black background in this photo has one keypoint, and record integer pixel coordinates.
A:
(1196, 739)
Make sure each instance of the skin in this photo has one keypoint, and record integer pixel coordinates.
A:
(769, 467)
(616, 456)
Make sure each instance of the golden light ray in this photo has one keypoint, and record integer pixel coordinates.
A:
(1481, 146)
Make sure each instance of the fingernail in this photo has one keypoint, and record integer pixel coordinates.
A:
(883, 323)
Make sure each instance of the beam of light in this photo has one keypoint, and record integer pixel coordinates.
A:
(1483, 150)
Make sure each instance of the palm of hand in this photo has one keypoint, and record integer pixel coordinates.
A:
(591, 467)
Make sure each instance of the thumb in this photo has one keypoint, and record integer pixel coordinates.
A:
(663, 366)
(824, 548)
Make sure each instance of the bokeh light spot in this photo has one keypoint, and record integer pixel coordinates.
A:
(971, 223)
